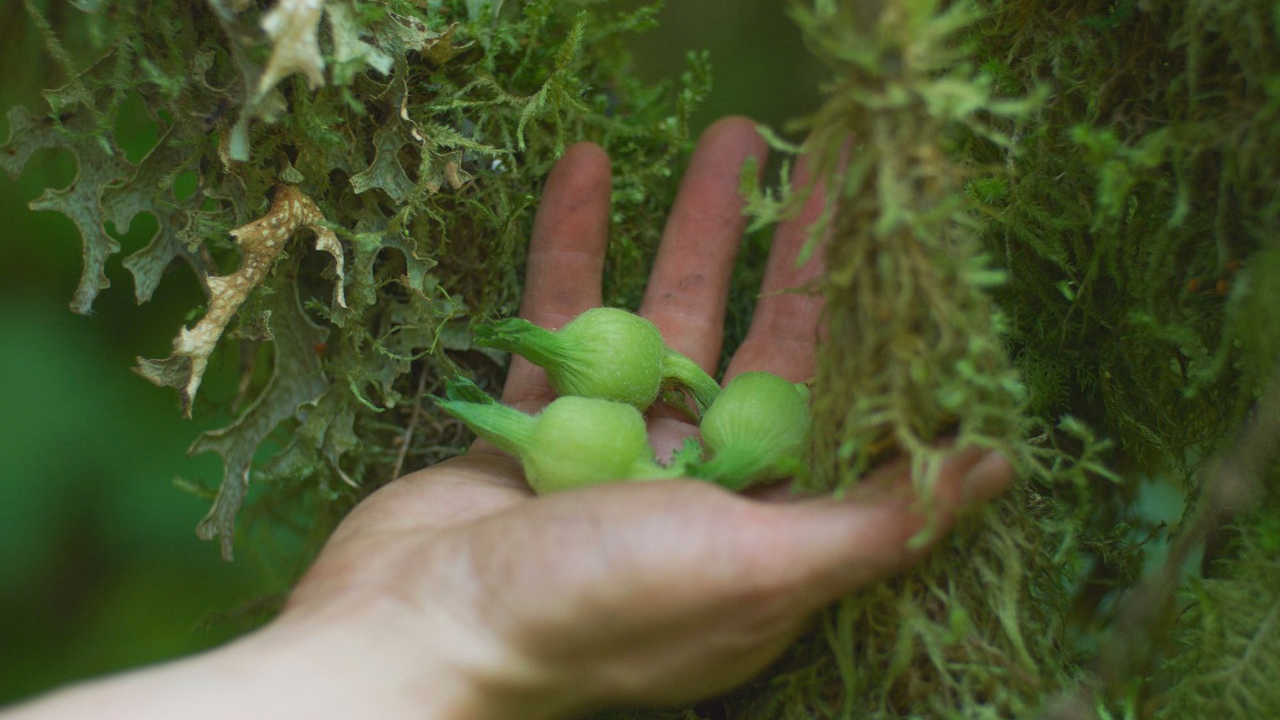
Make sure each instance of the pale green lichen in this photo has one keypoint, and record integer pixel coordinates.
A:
(417, 134)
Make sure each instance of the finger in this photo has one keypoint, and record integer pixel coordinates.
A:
(784, 329)
(686, 294)
(566, 258)
(829, 547)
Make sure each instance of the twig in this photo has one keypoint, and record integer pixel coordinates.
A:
(413, 424)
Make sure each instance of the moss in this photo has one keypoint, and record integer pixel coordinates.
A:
(1045, 243)
(1224, 662)
(419, 139)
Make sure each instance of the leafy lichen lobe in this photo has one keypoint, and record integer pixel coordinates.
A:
(405, 141)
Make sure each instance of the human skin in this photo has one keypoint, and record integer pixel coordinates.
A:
(454, 592)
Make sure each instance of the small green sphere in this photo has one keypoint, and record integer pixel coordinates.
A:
(755, 429)
(580, 441)
(757, 408)
(612, 354)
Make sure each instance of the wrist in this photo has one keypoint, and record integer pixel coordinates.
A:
(382, 657)
(296, 667)
(365, 660)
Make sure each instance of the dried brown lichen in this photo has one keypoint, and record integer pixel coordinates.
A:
(260, 243)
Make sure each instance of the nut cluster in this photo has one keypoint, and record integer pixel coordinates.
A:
(608, 367)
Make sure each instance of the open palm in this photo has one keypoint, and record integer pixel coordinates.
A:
(652, 592)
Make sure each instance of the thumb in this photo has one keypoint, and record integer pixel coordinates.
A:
(837, 546)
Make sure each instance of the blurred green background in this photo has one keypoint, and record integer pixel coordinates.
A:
(100, 568)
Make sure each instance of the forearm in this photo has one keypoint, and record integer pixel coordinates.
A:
(286, 670)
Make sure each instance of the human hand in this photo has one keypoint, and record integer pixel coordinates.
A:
(650, 593)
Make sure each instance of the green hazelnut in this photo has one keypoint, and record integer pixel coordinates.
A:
(603, 353)
(575, 441)
(757, 429)
(582, 441)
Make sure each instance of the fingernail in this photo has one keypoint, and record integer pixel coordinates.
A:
(987, 478)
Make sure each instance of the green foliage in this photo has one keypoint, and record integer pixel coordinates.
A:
(408, 139)
(915, 350)
(1049, 223)
(1226, 661)
(1131, 198)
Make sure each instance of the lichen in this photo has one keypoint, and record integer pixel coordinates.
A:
(407, 140)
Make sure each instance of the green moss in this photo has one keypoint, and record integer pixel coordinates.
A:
(1225, 662)
(1046, 243)
(422, 138)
